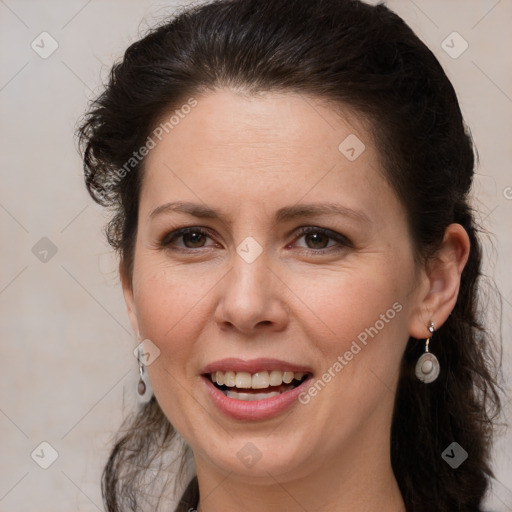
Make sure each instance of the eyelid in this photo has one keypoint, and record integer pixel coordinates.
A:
(334, 235)
(342, 240)
(178, 233)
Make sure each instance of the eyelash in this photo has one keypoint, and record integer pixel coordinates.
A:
(343, 241)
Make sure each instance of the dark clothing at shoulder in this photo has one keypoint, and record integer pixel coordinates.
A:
(190, 499)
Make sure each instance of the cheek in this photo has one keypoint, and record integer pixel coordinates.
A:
(169, 302)
(170, 305)
(357, 310)
(357, 327)
(333, 307)
(356, 324)
(341, 305)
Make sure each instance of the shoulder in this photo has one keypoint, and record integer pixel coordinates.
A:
(190, 498)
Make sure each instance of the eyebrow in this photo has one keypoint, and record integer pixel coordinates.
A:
(283, 214)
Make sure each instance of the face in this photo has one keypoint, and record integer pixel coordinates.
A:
(296, 263)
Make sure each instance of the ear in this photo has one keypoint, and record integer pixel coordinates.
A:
(126, 283)
(441, 281)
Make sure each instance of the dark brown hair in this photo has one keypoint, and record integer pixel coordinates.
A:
(355, 55)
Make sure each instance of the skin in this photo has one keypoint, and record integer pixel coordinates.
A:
(246, 157)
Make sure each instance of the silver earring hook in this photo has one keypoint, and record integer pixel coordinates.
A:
(431, 329)
(140, 357)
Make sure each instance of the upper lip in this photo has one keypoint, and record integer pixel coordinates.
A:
(254, 365)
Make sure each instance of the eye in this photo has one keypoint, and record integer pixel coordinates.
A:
(192, 238)
(317, 240)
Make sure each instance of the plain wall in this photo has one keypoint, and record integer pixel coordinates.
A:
(67, 372)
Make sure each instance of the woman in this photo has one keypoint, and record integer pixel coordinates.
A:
(290, 183)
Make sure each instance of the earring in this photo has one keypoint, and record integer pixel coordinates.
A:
(144, 390)
(427, 367)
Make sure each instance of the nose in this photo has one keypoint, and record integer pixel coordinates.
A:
(252, 298)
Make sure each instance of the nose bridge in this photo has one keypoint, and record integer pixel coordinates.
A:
(250, 295)
(249, 280)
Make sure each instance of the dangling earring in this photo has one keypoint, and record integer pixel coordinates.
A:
(144, 390)
(427, 367)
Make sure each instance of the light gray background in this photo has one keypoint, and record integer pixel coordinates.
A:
(67, 370)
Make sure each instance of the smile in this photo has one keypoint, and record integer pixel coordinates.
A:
(256, 386)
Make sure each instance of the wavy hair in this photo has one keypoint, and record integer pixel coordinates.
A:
(352, 54)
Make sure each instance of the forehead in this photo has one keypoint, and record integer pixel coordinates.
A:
(272, 121)
(264, 149)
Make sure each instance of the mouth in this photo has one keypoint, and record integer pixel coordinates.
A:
(256, 389)
(256, 386)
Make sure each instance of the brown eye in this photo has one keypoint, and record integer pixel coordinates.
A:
(192, 238)
(195, 239)
(321, 241)
(317, 240)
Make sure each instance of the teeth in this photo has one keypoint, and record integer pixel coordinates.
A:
(276, 378)
(230, 379)
(243, 380)
(251, 397)
(259, 380)
(287, 377)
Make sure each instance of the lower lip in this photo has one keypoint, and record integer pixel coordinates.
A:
(256, 409)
